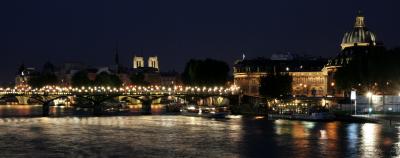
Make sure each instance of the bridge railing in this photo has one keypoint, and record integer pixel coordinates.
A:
(154, 90)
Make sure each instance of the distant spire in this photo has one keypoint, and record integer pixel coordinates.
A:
(21, 69)
(243, 54)
(116, 53)
(359, 20)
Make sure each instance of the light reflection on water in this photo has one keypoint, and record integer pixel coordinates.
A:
(36, 110)
(336, 139)
(180, 136)
(20, 110)
(369, 137)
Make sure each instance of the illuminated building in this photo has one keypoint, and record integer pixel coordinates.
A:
(138, 62)
(309, 83)
(359, 36)
(306, 81)
(304, 71)
(24, 74)
(152, 62)
(151, 74)
(359, 40)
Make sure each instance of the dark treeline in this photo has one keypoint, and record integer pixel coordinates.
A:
(102, 79)
(46, 77)
(138, 79)
(208, 72)
(371, 69)
(105, 79)
(81, 79)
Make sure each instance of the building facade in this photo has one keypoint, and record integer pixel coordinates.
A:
(304, 71)
(311, 83)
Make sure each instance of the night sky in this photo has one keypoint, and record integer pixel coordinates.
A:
(36, 31)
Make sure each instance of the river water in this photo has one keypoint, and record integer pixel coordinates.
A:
(182, 136)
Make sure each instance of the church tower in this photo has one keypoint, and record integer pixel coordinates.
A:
(116, 57)
(138, 62)
(153, 62)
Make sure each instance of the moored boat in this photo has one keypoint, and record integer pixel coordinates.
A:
(210, 112)
(317, 116)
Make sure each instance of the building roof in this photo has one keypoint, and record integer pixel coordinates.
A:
(269, 66)
(359, 36)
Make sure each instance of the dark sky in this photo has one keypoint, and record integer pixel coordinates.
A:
(36, 31)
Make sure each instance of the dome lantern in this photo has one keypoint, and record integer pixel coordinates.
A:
(359, 20)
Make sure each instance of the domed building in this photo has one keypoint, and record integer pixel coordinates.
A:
(308, 82)
(359, 40)
(359, 36)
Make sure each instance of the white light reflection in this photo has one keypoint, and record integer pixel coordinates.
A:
(369, 133)
(282, 127)
(352, 136)
(323, 134)
(308, 125)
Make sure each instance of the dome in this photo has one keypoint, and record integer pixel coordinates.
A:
(360, 35)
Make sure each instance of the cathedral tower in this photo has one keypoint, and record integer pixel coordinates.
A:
(153, 62)
(138, 62)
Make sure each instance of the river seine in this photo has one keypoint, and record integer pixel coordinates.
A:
(180, 136)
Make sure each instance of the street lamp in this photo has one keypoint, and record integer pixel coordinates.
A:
(369, 95)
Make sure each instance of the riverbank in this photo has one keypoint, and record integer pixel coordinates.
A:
(27, 111)
(340, 118)
(251, 110)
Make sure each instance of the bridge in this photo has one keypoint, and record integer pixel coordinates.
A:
(96, 95)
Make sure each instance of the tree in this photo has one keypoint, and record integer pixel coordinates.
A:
(105, 79)
(46, 77)
(138, 79)
(48, 68)
(208, 72)
(370, 69)
(81, 79)
(275, 86)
